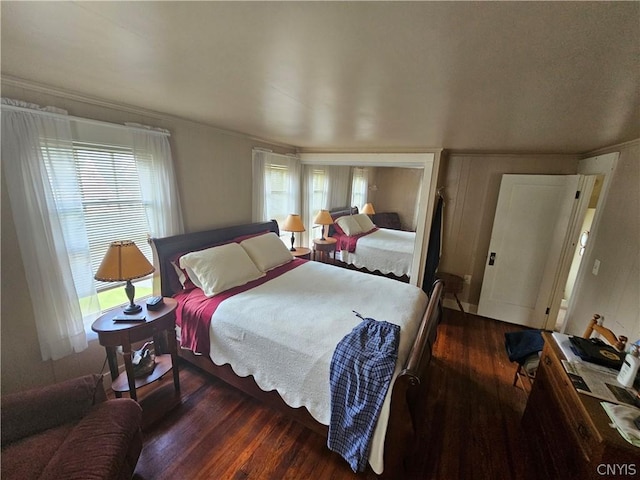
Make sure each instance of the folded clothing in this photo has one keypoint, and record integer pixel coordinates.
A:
(521, 345)
(623, 417)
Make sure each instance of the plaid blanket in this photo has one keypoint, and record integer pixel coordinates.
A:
(360, 373)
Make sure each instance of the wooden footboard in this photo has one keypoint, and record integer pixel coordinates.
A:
(406, 393)
(406, 397)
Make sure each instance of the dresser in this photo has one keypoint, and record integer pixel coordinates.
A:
(569, 431)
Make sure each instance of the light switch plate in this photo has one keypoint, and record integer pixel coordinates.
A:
(596, 267)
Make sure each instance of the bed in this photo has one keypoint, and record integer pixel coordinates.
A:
(369, 248)
(322, 298)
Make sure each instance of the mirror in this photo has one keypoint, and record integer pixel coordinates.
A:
(397, 183)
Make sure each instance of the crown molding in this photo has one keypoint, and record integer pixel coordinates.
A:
(122, 107)
(612, 148)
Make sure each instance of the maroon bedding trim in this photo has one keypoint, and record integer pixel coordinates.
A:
(195, 310)
(349, 243)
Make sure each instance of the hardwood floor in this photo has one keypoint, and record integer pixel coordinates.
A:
(470, 430)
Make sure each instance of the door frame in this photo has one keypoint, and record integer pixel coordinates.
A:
(598, 165)
(548, 307)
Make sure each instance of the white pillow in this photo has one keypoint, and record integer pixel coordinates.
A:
(365, 222)
(220, 268)
(267, 251)
(349, 225)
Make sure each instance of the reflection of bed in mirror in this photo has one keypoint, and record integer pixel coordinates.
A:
(365, 246)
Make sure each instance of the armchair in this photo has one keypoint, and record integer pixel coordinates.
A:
(69, 430)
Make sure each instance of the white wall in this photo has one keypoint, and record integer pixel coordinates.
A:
(615, 291)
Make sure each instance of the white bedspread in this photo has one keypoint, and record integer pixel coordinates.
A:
(285, 331)
(390, 251)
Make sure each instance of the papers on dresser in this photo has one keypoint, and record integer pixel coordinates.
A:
(599, 382)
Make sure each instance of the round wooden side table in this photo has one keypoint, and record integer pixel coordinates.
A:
(302, 252)
(159, 324)
(322, 249)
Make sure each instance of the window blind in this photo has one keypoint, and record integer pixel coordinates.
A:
(112, 208)
(279, 194)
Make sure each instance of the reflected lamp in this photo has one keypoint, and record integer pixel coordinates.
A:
(323, 218)
(368, 209)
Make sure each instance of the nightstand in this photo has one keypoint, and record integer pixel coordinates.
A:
(160, 324)
(453, 284)
(322, 249)
(302, 252)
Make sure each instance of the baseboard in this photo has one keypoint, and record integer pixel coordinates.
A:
(452, 304)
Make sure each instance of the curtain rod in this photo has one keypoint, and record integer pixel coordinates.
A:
(83, 120)
(266, 150)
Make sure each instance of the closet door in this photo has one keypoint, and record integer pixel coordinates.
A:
(530, 225)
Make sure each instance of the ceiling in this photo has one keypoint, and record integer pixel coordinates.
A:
(560, 77)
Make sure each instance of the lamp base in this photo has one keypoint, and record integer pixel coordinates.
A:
(132, 309)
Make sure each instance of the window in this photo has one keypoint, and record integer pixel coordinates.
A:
(75, 185)
(108, 185)
(319, 190)
(276, 186)
(359, 187)
(278, 200)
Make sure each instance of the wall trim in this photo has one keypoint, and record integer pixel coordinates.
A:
(475, 153)
(468, 307)
(612, 148)
(122, 107)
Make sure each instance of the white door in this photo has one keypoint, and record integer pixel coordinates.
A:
(529, 230)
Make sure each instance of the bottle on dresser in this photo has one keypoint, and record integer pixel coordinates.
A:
(630, 367)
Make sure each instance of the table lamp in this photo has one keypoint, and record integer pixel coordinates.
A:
(293, 223)
(124, 262)
(368, 209)
(323, 218)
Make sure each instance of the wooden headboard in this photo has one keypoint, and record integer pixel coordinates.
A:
(168, 249)
(340, 212)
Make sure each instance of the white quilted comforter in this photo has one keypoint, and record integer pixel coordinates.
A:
(284, 332)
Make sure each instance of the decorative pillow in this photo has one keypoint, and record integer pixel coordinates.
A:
(220, 268)
(181, 275)
(336, 229)
(267, 251)
(349, 224)
(365, 222)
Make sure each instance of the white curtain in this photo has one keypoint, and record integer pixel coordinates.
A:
(325, 187)
(339, 184)
(360, 187)
(259, 187)
(46, 199)
(263, 207)
(154, 163)
(43, 222)
(314, 198)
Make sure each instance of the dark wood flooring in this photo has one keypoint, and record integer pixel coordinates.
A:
(470, 430)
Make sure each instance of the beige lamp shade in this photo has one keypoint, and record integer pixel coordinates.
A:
(368, 209)
(323, 218)
(123, 261)
(293, 223)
